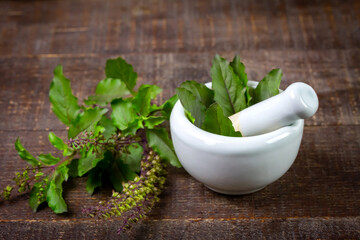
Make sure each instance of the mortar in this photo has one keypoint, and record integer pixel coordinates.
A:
(234, 165)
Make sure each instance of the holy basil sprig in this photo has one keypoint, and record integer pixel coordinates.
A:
(209, 109)
(115, 136)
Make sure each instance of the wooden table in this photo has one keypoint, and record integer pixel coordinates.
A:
(168, 42)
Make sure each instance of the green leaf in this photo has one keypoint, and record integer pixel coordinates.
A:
(146, 93)
(95, 175)
(165, 109)
(268, 87)
(133, 127)
(168, 106)
(118, 68)
(48, 159)
(202, 93)
(57, 142)
(189, 117)
(193, 105)
(68, 151)
(122, 113)
(108, 90)
(86, 121)
(229, 90)
(195, 98)
(24, 154)
(239, 70)
(34, 198)
(133, 157)
(158, 140)
(153, 121)
(106, 161)
(54, 193)
(110, 129)
(100, 164)
(251, 93)
(54, 198)
(73, 168)
(88, 161)
(97, 130)
(119, 173)
(215, 122)
(94, 180)
(64, 103)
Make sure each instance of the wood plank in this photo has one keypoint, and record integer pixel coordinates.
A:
(123, 27)
(298, 228)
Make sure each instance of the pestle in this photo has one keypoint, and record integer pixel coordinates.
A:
(298, 101)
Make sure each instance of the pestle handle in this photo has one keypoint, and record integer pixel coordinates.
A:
(298, 101)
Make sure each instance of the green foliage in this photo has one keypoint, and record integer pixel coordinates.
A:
(37, 195)
(216, 122)
(54, 191)
(7, 192)
(57, 142)
(108, 90)
(239, 70)
(138, 197)
(86, 120)
(196, 98)
(96, 174)
(132, 156)
(158, 140)
(64, 103)
(88, 161)
(193, 105)
(230, 93)
(24, 154)
(152, 121)
(118, 68)
(200, 91)
(119, 173)
(48, 159)
(94, 180)
(108, 125)
(109, 138)
(168, 106)
(268, 87)
(229, 90)
(123, 113)
(141, 102)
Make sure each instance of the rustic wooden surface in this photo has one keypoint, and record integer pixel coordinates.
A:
(317, 42)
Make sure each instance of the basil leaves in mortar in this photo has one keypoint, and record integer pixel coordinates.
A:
(209, 109)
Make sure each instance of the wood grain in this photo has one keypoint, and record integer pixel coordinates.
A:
(168, 42)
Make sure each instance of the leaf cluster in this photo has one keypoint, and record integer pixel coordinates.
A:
(209, 109)
(108, 135)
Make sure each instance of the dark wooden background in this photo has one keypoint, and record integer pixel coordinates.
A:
(168, 42)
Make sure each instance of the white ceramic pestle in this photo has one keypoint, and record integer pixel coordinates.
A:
(298, 101)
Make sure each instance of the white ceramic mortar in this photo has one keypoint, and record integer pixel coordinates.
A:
(234, 165)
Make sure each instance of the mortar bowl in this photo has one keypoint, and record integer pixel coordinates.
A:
(234, 165)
